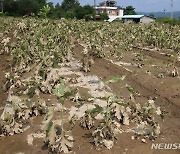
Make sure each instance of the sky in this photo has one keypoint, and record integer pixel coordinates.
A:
(139, 5)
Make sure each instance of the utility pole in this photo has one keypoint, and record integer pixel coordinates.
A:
(94, 3)
(172, 4)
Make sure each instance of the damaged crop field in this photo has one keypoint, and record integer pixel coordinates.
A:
(88, 87)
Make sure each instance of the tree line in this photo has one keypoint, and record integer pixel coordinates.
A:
(68, 8)
(42, 8)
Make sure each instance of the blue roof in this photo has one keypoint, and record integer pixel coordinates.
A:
(132, 16)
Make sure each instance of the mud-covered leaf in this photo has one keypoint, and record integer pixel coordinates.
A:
(116, 79)
(52, 134)
(65, 145)
(87, 121)
(108, 144)
(46, 123)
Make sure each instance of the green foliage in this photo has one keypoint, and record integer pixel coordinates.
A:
(116, 79)
(129, 10)
(132, 90)
(63, 92)
(27, 7)
(70, 4)
(42, 73)
(69, 14)
(69, 9)
(56, 12)
(3, 14)
(31, 92)
(44, 11)
(169, 21)
(60, 91)
(104, 16)
(86, 12)
(95, 111)
(11, 7)
(23, 7)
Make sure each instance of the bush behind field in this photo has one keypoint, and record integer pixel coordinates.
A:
(168, 20)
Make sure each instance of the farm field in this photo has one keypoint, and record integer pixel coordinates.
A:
(88, 87)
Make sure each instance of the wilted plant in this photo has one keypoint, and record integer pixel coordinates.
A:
(43, 45)
(62, 93)
(106, 132)
(132, 90)
(56, 136)
(174, 72)
(87, 121)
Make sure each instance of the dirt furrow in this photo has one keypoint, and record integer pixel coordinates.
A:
(160, 56)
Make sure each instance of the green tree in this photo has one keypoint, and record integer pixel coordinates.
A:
(70, 5)
(129, 10)
(104, 16)
(41, 3)
(85, 12)
(27, 7)
(43, 13)
(23, 7)
(69, 14)
(88, 11)
(57, 12)
(11, 7)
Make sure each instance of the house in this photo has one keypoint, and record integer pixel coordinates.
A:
(110, 8)
(115, 12)
(138, 19)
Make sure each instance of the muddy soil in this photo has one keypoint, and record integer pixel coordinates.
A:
(145, 80)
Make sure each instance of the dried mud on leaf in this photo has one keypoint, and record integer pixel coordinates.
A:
(87, 121)
(47, 119)
(57, 141)
(104, 135)
(30, 137)
(108, 144)
(65, 145)
(80, 112)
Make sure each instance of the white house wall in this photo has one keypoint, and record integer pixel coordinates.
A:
(121, 13)
(146, 20)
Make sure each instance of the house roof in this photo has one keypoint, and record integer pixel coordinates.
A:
(106, 7)
(112, 18)
(108, 3)
(133, 16)
(136, 16)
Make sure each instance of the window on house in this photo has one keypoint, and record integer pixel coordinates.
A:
(110, 11)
